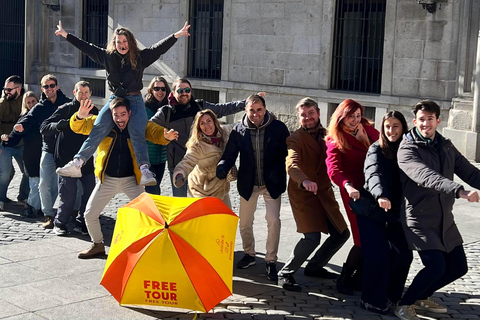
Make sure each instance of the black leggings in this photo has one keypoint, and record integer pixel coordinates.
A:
(440, 269)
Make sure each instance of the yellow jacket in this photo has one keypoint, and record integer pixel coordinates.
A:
(153, 133)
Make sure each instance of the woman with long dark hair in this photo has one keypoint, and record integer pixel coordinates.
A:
(157, 93)
(387, 257)
(350, 135)
(124, 65)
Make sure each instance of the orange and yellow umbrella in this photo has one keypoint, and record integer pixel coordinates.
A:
(172, 252)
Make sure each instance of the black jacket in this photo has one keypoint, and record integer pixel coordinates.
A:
(382, 179)
(118, 68)
(35, 117)
(67, 142)
(180, 118)
(274, 154)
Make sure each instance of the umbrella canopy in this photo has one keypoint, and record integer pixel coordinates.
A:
(172, 252)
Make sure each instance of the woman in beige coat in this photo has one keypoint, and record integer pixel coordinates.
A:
(204, 150)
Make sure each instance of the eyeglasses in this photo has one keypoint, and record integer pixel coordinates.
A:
(51, 86)
(7, 90)
(159, 89)
(186, 90)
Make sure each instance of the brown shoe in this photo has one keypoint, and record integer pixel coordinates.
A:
(95, 250)
(48, 224)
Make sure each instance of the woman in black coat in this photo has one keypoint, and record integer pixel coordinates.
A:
(387, 258)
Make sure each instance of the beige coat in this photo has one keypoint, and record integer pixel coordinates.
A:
(200, 165)
(306, 160)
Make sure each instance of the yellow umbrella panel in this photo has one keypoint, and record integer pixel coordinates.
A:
(172, 252)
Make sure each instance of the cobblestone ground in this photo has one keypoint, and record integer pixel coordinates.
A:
(260, 300)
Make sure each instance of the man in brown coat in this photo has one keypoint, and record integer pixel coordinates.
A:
(311, 196)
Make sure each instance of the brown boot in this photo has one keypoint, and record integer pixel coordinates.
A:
(48, 224)
(95, 250)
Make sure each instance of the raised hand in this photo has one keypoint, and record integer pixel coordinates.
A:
(85, 107)
(18, 127)
(262, 94)
(170, 135)
(60, 31)
(183, 31)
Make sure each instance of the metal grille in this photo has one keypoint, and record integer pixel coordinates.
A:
(207, 95)
(358, 45)
(97, 86)
(12, 38)
(205, 44)
(95, 27)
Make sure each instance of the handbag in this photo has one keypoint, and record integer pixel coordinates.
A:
(232, 174)
(367, 206)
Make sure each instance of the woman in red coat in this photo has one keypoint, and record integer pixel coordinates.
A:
(350, 135)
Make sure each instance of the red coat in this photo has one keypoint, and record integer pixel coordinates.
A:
(347, 166)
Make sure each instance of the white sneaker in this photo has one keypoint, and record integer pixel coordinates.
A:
(148, 178)
(2, 205)
(406, 312)
(429, 305)
(70, 170)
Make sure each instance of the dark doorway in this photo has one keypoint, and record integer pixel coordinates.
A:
(12, 38)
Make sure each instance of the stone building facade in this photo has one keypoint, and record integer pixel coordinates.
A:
(287, 48)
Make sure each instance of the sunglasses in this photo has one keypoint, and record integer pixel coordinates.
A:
(186, 90)
(159, 89)
(51, 86)
(7, 90)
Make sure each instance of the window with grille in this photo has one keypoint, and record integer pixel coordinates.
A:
(205, 43)
(207, 95)
(12, 39)
(95, 27)
(358, 45)
(97, 86)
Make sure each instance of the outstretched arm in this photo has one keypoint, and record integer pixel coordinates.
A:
(183, 31)
(60, 31)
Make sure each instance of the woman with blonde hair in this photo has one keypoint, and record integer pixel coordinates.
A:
(124, 65)
(32, 151)
(204, 149)
(350, 135)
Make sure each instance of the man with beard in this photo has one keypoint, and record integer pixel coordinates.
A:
(115, 165)
(52, 97)
(66, 146)
(10, 109)
(179, 114)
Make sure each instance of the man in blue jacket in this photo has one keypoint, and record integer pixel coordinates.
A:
(66, 146)
(261, 141)
(52, 97)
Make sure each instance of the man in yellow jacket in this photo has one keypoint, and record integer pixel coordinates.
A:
(115, 165)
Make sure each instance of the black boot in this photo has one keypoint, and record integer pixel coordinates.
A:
(344, 281)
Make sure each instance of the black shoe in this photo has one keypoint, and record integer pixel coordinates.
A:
(271, 269)
(28, 213)
(369, 307)
(344, 281)
(246, 262)
(288, 283)
(320, 273)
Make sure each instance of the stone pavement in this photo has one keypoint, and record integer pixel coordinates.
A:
(42, 278)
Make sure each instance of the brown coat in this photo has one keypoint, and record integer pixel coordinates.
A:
(306, 160)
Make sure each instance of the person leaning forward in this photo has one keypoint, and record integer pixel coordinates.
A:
(115, 165)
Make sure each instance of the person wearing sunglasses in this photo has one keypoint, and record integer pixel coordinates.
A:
(52, 98)
(124, 64)
(10, 109)
(179, 115)
(157, 93)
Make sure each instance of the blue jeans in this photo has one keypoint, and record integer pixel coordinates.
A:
(48, 183)
(158, 170)
(178, 192)
(34, 195)
(104, 124)
(6, 172)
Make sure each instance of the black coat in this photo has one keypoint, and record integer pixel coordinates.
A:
(35, 117)
(427, 172)
(118, 68)
(67, 142)
(382, 179)
(275, 152)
